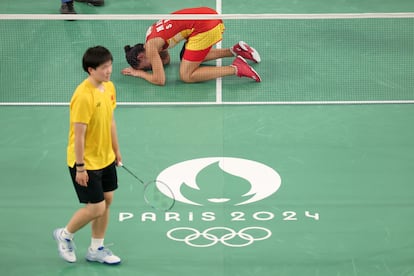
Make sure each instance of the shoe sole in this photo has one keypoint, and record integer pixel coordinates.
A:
(259, 79)
(257, 75)
(251, 50)
(102, 262)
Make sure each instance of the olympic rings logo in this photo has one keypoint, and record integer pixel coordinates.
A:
(213, 235)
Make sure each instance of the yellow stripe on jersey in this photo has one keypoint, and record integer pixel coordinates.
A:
(204, 40)
(178, 37)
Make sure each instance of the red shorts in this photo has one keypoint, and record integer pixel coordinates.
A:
(198, 46)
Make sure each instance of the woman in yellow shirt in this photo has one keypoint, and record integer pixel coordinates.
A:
(92, 155)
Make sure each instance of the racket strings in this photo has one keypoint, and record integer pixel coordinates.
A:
(157, 194)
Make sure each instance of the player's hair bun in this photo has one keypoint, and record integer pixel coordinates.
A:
(127, 48)
(131, 54)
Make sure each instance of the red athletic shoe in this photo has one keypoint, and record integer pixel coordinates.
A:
(244, 50)
(245, 70)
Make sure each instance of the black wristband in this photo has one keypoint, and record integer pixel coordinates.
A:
(79, 165)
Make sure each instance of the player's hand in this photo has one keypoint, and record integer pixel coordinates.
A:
(129, 71)
(82, 178)
(118, 160)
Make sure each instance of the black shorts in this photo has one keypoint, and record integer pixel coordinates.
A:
(182, 51)
(100, 181)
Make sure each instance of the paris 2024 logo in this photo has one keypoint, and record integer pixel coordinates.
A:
(222, 180)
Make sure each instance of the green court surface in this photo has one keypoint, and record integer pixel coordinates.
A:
(352, 165)
(307, 173)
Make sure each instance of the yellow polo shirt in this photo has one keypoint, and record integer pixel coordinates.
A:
(94, 108)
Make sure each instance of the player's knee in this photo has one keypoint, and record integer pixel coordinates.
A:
(97, 209)
(108, 199)
(185, 77)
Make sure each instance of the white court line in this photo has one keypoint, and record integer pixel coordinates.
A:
(219, 82)
(269, 103)
(132, 104)
(219, 62)
(203, 16)
(219, 7)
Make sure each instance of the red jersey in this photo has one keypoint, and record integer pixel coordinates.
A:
(173, 31)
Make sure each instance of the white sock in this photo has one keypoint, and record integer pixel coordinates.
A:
(96, 243)
(65, 234)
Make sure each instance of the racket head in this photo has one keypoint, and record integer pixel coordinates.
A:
(159, 195)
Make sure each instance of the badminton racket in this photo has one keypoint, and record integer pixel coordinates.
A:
(157, 194)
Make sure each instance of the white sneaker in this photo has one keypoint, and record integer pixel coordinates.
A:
(102, 255)
(66, 247)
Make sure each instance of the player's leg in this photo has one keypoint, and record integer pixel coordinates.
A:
(199, 48)
(92, 197)
(240, 49)
(67, 7)
(100, 224)
(83, 216)
(97, 252)
(212, 54)
(191, 71)
(218, 53)
(64, 236)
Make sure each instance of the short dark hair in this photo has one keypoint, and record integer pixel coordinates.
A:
(131, 54)
(95, 56)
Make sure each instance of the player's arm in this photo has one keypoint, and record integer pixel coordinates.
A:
(129, 71)
(115, 145)
(80, 132)
(152, 52)
(165, 57)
